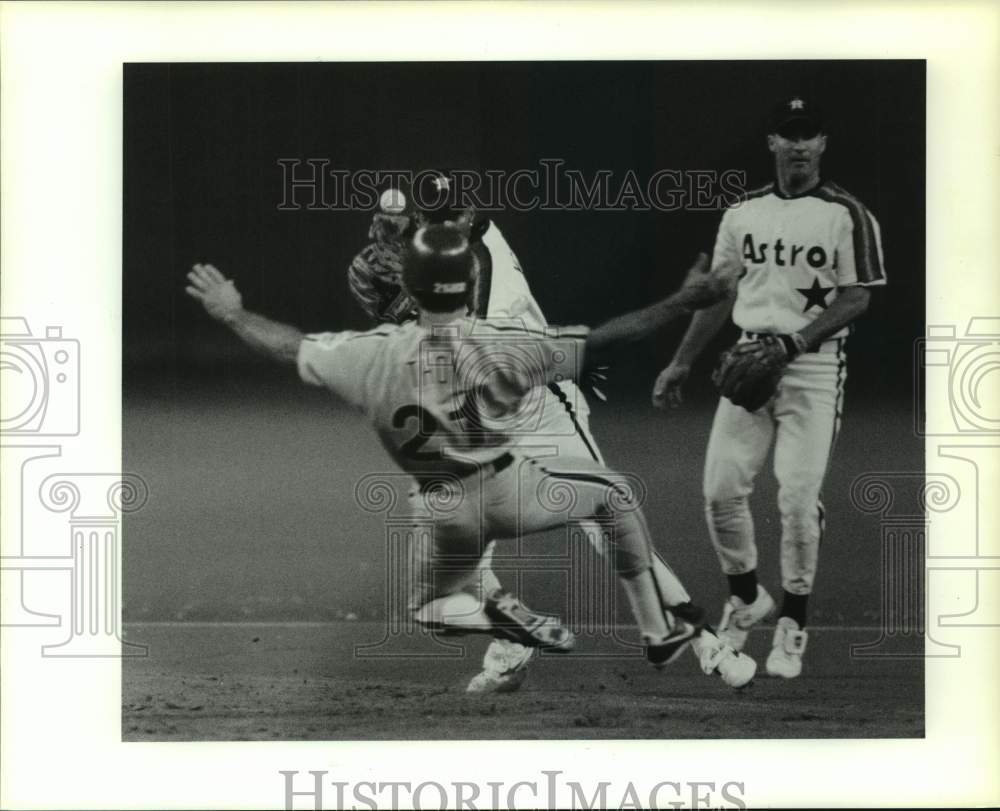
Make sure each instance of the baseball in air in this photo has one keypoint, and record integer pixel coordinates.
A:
(392, 201)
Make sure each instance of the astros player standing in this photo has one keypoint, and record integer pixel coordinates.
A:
(810, 251)
(443, 395)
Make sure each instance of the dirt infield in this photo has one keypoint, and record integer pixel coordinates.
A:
(303, 682)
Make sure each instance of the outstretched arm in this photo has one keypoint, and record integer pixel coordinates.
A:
(223, 302)
(702, 288)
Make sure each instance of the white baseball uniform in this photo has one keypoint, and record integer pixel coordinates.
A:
(448, 404)
(503, 292)
(796, 253)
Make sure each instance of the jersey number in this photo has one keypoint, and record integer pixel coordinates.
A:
(427, 426)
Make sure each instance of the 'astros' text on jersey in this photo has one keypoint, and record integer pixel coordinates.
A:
(795, 252)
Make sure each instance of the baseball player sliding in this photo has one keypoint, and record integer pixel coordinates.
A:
(501, 291)
(444, 394)
(809, 253)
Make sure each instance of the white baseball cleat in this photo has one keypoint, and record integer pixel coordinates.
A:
(715, 656)
(787, 647)
(738, 617)
(505, 667)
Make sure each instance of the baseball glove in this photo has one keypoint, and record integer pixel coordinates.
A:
(749, 372)
(375, 280)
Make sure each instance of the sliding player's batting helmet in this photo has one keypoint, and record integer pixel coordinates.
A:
(439, 268)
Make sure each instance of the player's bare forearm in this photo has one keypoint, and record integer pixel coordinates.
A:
(223, 302)
(636, 325)
(278, 341)
(703, 287)
(851, 302)
(703, 327)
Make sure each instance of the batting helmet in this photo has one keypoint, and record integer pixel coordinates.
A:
(439, 268)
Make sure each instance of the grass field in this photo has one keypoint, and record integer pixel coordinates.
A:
(301, 682)
(252, 518)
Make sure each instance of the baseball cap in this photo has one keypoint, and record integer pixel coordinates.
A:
(796, 116)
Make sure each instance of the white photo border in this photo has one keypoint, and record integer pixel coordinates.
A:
(61, 143)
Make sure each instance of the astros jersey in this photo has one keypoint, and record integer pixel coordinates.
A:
(795, 253)
(506, 293)
(503, 292)
(447, 398)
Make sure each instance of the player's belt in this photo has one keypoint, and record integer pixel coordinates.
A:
(750, 336)
(831, 346)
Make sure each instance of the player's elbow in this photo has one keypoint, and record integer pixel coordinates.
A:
(858, 298)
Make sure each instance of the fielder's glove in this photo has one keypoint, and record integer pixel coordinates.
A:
(748, 373)
(375, 279)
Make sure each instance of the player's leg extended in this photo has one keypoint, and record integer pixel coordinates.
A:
(564, 432)
(807, 413)
(551, 492)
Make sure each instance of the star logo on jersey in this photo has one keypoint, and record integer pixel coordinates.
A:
(815, 295)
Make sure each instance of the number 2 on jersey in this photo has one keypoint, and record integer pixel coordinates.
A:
(427, 426)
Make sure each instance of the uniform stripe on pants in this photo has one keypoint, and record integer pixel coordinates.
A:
(556, 389)
(838, 413)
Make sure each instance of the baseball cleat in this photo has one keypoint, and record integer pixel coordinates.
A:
(666, 651)
(505, 667)
(688, 620)
(715, 656)
(787, 647)
(514, 621)
(738, 617)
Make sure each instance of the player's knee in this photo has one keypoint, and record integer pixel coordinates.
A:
(724, 509)
(800, 525)
(723, 488)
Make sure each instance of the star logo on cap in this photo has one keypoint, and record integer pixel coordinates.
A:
(796, 104)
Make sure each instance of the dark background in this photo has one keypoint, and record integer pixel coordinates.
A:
(251, 474)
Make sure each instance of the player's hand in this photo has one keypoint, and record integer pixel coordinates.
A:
(217, 294)
(667, 389)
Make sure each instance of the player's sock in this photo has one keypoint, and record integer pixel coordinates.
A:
(458, 612)
(689, 612)
(744, 586)
(794, 607)
(646, 606)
